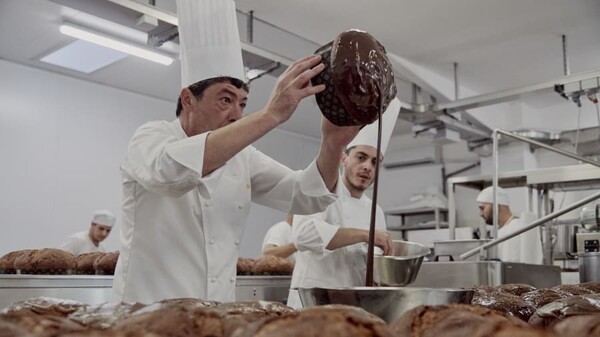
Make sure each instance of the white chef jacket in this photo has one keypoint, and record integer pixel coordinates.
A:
(280, 234)
(181, 232)
(525, 248)
(80, 243)
(316, 266)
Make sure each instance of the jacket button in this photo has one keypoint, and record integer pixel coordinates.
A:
(237, 242)
(207, 203)
(240, 206)
(232, 279)
(213, 280)
(211, 241)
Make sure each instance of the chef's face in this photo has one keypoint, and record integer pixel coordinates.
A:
(219, 105)
(100, 232)
(485, 211)
(359, 167)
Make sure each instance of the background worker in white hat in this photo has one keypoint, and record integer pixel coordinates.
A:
(188, 183)
(332, 245)
(525, 248)
(90, 241)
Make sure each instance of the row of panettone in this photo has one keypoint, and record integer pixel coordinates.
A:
(569, 316)
(57, 261)
(266, 265)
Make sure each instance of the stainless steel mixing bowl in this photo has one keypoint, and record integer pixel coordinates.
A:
(401, 268)
(389, 303)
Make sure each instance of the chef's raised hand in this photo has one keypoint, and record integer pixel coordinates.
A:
(292, 86)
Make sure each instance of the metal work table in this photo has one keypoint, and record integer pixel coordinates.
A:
(461, 274)
(96, 289)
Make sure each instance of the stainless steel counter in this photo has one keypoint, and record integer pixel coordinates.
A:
(95, 289)
(468, 273)
(90, 289)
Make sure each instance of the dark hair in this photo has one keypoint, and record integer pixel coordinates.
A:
(198, 88)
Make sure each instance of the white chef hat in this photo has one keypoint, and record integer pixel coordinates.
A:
(487, 196)
(368, 134)
(104, 217)
(209, 40)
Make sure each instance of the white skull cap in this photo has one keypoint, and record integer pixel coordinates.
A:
(487, 196)
(104, 217)
(368, 134)
(209, 40)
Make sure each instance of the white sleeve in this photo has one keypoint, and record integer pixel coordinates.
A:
(275, 185)
(72, 245)
(164, 164)
(277, 235)
(312, 233)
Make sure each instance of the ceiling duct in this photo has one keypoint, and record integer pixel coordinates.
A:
(413, 157)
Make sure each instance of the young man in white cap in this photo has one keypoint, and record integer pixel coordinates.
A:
(525, 248)
(332, 245)
(90, 241)
(188, 184)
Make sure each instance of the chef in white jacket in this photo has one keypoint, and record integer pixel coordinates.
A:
(188, 184)
(332, 245)
(90, 241)
(524, 248)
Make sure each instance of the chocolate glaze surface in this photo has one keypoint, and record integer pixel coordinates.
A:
(362, 75)
(358, 78)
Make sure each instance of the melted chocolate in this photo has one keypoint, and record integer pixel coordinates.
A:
(362, 75)
(357, 76)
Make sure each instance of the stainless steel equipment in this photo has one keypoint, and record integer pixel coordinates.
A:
(96, 289)
(452, 249)
(389, 303)
(589, 267)
(262, 288)
(401, 268)
(93, 289)
(468, 273)
(588, 242)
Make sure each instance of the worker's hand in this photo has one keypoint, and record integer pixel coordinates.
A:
(294, 85)
(337, 137)
(384, 241)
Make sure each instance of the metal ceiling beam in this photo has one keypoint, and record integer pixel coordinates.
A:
(171, 18)
(511, 94)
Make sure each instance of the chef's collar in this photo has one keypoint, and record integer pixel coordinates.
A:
(342, 190)
(177, 125)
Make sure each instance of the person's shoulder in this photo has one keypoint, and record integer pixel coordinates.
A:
(155, 126)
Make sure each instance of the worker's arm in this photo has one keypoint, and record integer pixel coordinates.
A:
(279, 251)
(349, 236)
(292, 86)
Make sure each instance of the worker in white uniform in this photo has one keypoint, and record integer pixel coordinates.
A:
(278, 240)
(332, 245)
(90, 241)
(525, 248)
(188, 183)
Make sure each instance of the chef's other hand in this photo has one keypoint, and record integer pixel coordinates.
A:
(384, 241)
(294, 85)
(337, 137)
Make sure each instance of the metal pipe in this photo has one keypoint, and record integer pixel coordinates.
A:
(456, 88)
(548, 147)
(532, 225)
(451, 212)
(250, 27)
(566, 70)
(495, 184)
